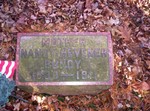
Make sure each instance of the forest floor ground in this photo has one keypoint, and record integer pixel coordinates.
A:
(128, 21)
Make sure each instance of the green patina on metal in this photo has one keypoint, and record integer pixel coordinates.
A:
(63, 58)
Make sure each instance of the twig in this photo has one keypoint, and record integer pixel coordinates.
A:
(17, 97)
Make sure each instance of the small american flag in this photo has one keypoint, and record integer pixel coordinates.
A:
(8, 68)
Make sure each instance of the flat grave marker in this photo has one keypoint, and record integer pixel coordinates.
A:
(64, 63)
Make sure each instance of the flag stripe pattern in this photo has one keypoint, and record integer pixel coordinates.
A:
(8, 68)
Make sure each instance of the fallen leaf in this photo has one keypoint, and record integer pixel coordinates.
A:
(145, 86)
(33, 17)
(7, 39)
(42, 8)
(66, 109)
(70, 1)
(142, 86)
(128, 52)
(125, 32)
(148, 63)
(17, 106)
(42, 1)
(120, 105)
(88, 4)
(114, 21)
